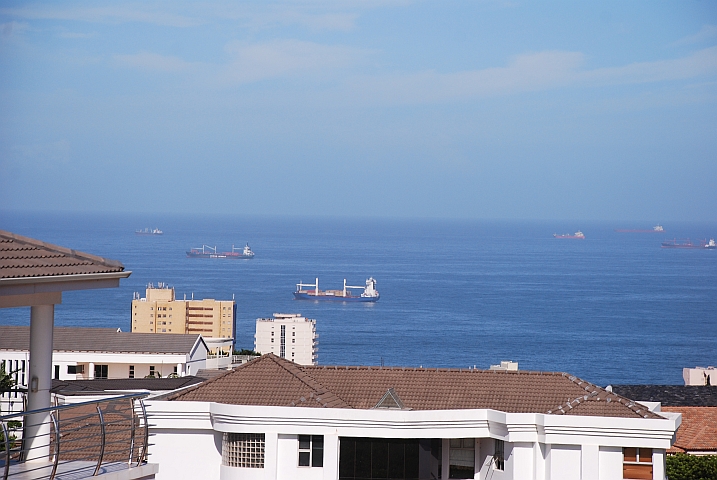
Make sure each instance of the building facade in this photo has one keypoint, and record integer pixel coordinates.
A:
(404, 423)
(289, 336)
(160, 312)
(100, 353)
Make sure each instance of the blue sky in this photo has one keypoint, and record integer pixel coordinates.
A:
(477, 109)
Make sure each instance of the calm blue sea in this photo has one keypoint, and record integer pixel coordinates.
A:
(614, 308)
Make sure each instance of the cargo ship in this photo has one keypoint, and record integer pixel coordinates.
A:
(685, 244)
(656, 229)
(149, 231)
(579, 235)
(369, 294)
(205, 251)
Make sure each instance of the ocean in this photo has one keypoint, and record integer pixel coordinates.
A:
(614, 308)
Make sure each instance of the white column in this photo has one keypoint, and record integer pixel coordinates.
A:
(180, 369)
(590, 462)
(658, 464)
(37, 426)
(271, 455)
(331, 457)
(91, 373)
(445, 457)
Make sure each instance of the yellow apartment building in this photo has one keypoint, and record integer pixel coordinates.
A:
(161, 312)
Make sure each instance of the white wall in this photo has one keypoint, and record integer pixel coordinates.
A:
(565, 462)
(610, 460)
(186, 453)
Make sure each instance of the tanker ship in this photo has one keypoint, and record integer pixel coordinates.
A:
(369, 294)
(703, 244)
(656, 229)
(579, 235)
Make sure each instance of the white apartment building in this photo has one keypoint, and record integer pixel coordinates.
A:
(404, 423)
(289, 336)
(700, 376)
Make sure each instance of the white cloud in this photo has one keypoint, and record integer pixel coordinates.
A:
(152, 61)
(527, 73)
(105, 14)
(251, 63)
(43, 155)
(707, 32)
(77, 35)
(13, 28)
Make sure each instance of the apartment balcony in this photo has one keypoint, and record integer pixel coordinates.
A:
(103, 438)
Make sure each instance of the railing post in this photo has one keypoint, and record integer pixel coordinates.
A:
(102, 444)
(6, 434)
(143, 457)
(131, 431)
(56, 426)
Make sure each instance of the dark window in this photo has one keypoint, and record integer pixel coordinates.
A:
(131, 371)
(57, 372)
(101, 371)
(311, 450)
(387, 458)
(282, 344)
(75, 369)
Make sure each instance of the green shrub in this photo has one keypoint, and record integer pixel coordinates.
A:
(691, 467)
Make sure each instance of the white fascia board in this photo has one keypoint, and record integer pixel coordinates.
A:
(610, 431)
(351, 422)
(110, 357)
(167, 415)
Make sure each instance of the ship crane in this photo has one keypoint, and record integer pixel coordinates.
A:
(315, 285)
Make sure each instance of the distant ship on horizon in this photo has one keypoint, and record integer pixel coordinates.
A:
(656, 229)
(205, 251)
(688, 244)
(577, 235)
(149, 231)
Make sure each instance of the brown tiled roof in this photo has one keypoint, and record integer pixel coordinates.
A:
(71, 339)
(79, 387)
(270, 380)
(698, 432)
(22, 257)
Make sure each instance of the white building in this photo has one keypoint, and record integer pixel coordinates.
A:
(404, 423)
(86, 353)
(700, 376)
(288, 335)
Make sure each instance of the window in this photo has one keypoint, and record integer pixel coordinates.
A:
(637, 463)
(131, 371)
(175, 369)
(151, 370)
(462, 458)
(311, 450)
(382, 458)
(101, 371)
(75, 369)
(57, 372)
(245, 450)
(499, 455)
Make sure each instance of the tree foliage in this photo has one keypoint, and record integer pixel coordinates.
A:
(691, 467)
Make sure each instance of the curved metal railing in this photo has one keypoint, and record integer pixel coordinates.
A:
(79, 438)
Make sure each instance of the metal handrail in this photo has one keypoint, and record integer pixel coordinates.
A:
(111, 422)
(66, 406)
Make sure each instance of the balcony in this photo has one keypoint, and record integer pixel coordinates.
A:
(100, 438)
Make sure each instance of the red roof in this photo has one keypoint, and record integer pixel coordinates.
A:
(698, 432)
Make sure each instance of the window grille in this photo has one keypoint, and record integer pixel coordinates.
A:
(245, 450)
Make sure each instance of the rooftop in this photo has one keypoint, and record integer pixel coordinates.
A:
(79, 387)
(698, 432)
(273, 381)
(72, 339)
(23, 257)
(671, 395)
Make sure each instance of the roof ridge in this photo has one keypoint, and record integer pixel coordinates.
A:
(175, 396)
(596, 393)
(324, 396)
